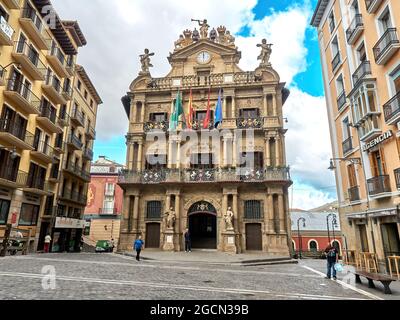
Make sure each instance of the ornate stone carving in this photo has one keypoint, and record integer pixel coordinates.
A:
(145, 61)
(170, 218)
(265, 53)
(228, 219)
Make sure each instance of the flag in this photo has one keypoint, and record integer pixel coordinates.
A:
(178, 110)
(206, 122)
(218, 111)
(189, 121)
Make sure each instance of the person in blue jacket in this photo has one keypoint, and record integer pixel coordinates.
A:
(138, 246)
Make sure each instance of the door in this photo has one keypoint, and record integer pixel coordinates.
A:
(203, 231)
(152, 235)
(363, 238)
(43, 232)
(390, 237)
(253, 237)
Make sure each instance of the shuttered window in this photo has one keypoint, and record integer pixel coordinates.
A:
(252, 209)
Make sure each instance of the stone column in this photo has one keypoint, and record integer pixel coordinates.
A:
(235, 211)
(281, 214)
(271, 215)
(233, 107)
(134, 111)
(224, 109)
(234, 151)
(135, 221)
(265, 101)
(267, 153)
(225, 152)
(142, 114)
(275, 111)
(277, 148)
(283, 146)
(169, 165)
(178, 221)
(178, 157)
(140, 156)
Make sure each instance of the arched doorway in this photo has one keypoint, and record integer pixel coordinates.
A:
(202, 218)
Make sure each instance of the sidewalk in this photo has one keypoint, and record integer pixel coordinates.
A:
(211, 257)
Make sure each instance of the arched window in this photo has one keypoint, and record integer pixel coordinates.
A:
(313, 246)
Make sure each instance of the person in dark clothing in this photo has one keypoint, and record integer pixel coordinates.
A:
(332, 257)
(138, 246)
(188, 244)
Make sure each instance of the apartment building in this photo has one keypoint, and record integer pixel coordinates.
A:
(226, 205)
(38, 53)
(359, 46)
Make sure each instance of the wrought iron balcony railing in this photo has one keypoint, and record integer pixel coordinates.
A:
(356, 23)
(250, 123)
(354, 193)
(44, 147)
(336, 61)
(363, 69)
(56, 51)
(199, 125)
(78, 171)
(25, 92)
(391, 109)
(54, 82)
(378, 185)
(48, 112)
(341, 100)
(17, 131)
(388, 39)
(9, 173)
(156, 126)
(24, 48)
(397, 177)
(88, 153)
(31, 14)
(74, 140)
(347, 145)
(77, 115)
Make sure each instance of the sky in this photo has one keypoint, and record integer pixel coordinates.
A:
(118, 31)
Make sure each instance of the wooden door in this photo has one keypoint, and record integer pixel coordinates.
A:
(363, 238)
(152, 235)
(253, 236)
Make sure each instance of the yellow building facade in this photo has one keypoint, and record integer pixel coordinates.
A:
(359, 46)
(39, 76)
(205, 187)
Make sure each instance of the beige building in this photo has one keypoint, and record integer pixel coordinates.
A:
(200, 186)
(359, 45)
(38, 53)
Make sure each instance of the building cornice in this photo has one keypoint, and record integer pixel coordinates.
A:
(319, 12)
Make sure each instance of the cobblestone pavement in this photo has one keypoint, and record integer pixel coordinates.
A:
(87, 276)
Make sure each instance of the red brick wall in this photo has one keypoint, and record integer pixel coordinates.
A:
(322, 241)
(96, 191)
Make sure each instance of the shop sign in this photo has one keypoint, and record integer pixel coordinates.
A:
(69, 223)
(5, 27)
(378, 140)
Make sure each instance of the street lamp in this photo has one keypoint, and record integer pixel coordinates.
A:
(298, 233)
(13, 153)
(352, 160)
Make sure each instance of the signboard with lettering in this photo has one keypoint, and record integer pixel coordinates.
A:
(378, 140)
(5, 27)
(69, 223)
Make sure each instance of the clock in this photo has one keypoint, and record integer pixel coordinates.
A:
(203, 57)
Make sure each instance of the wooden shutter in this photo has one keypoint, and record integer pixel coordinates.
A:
(374, 162)
(382, 154)
(397, 84)
(352, 175)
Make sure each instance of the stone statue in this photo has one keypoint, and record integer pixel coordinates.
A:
(221, 34)
(145, 61)
(195, 35)
(203, 28)
(228, 218)
(188, 37)
(171, 217)
(180, 42)
(230, 39)
(213, 35)
(265, 52)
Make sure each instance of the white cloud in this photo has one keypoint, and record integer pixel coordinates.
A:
(305, 197)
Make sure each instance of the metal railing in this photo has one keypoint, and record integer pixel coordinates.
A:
(199, 125)
(56, 51)
(2, 73)
(388, 38)
(45, 148)
(156, 126)
(341, 100)
(37, 184)
(48, 112)
(9, 173)
(91, 131)
(78, 170)
(74, 196)
(332, 25)
(363, 69)
(379, 184)
(347, 145)
(33, 56)
(203, 175)
(67, 89)
(369, 3)
(336, 61)
(397, 177)
(30, 13)
(355, 23)
(250, 123)
(77, 115)
(53, 81)
(108, 211)
(23, 90)
(17, 131)
(354, 193)
(73, 139)
(88, 153)
(392, 107)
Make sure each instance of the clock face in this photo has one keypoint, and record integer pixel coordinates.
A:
(203, 57)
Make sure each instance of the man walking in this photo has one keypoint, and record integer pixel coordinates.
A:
(188, 244)
(138, 246)
(332, 257)
(47, 240)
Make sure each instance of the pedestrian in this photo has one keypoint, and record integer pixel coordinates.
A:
(47, 240)
(332, 257)
(138, 246)
(188, 244)
(112, 244)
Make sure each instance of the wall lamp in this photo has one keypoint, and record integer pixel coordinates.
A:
(352, 160)
(13, 154)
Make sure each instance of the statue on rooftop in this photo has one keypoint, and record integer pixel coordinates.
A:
(265, 53)
(203, 28)
(145, 61)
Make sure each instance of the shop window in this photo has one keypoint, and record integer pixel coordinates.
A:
(4, 210)
(29, 214)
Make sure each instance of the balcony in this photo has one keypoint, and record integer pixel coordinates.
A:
(156, 126)
(22, 97)
(29, 60)
(90, 133)
(108, 211)
(370, 129)
(2, 76)
(59, 144)
(249, 123)
(355, 29)
(77, 118)
(199, 125)
(210, 175)
(73, 196)
(34, 27)
(391, 110)
(63, 118)
(37, 186)
(354, 194)
(12, 4)
(373, 5)
(48, 119)
(50, 211)
(43, 151)
(67, 91)
(14, 135)
(361, 72)
(341, 100)
(74, 142)
(386, 47)
(6, 33)
(70, 66)
(11, 178)
(379, 185)
(52, 88)
(55, 173)
(77, 171)
(57, 60)
(336, 62)
(347, 145)
(397, 177)
(87, 154)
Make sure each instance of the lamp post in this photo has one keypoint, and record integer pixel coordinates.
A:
(333, 225)
(298, 233)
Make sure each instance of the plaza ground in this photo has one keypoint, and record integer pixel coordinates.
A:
(174, 276)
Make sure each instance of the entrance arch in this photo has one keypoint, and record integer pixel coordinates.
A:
(202, 220)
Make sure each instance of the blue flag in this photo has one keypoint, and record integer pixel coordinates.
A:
(218, 111)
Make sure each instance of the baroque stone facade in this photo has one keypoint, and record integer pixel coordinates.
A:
(201, 193)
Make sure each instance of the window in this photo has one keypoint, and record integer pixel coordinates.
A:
(252, 209)
(346, 129)
(339, 85)
(79, 85)
(378, 163)
(108, 205)
(8, 166)
(29, 214)
(258, 158)
(4, 209)
(91, 103)
(158, 117)
(313, 246)
(110, 187)
(335, 47)
(36, 176)
(361, 53)
(385, 21)
(201, 161)
(156, 161)
(249, 113)
(153, 210)
(85, 94)
(331, 22)
(3, 13)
